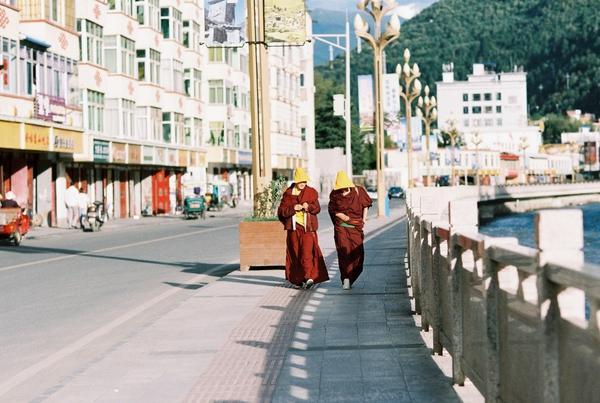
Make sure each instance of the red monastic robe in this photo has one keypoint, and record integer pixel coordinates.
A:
(304, 259)
(349, 241)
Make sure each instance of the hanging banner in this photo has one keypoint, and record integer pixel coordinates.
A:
(416, 131)
(225, 23)
(366, 103)
(285, 22)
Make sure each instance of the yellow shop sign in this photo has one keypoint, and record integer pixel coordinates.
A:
(9, 135)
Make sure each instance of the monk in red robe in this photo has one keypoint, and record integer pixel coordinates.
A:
(348, 208)
(298, 211)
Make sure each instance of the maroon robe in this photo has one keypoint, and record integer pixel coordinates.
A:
(349, 241)
(304, 259)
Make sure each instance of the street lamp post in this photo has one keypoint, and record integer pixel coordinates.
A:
(408, 94)
(378, 42)
(427, 111)
(523, 145)
(328, 39)
(454, 135)
(476, 140)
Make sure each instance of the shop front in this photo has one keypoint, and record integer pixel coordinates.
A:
(32, 159)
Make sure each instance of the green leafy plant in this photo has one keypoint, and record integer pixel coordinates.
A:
(267, 201)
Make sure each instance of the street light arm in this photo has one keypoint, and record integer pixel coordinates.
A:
(369, 38)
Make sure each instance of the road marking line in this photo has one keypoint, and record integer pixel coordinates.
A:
(70, 256)
(77, 345)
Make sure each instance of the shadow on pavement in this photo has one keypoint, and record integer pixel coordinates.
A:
(357, 345)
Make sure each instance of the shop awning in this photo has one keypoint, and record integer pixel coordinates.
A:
(35, 43)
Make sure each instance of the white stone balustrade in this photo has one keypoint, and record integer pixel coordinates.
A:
(512, 317)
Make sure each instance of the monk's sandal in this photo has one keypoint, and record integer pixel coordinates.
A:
(309, 283)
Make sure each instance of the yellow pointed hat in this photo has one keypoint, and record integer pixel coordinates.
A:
(300, 175)
(342, 181)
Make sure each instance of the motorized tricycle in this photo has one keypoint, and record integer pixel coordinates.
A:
(194, 207)
(14, 224)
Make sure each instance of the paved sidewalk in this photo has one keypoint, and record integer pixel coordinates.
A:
(249, 337)
(242, 210)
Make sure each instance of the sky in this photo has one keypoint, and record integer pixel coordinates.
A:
(351, 4)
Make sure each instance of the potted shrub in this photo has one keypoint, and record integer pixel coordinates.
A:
(262, 237)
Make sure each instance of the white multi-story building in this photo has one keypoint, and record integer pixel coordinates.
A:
(141, 88)
(490, 104)
(227, 123)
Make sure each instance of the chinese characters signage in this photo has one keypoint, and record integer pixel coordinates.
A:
(67, 141)
(37, 138)
(118, 153)
(101, 151)
(285, 22)
(50, 108)
(134, 154)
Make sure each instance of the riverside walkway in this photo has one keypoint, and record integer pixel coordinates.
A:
(249, 337)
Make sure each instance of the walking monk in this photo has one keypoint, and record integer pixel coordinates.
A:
(348, 208)
(298, 211)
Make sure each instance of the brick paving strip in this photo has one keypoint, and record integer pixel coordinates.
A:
(247, 366)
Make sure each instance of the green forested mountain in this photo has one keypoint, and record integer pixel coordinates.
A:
(557, 42)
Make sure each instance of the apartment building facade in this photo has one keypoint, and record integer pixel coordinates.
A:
(491, 105)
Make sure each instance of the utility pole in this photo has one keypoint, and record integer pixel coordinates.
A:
(262, 172)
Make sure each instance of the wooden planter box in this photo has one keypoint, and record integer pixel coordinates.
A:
(262, 243)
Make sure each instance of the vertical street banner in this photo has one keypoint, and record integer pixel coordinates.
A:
(391, 106)
(285, 22)
(366, 103)
(225, 23)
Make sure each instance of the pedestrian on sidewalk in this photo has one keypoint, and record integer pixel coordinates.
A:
(83, 205)
(72, 203)
(348, 209)
(305, 265)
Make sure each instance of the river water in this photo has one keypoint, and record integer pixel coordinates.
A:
(521, 227)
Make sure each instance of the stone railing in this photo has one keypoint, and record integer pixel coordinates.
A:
(521, 323)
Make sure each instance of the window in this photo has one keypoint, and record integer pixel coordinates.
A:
(488, 122)
(193, 132)
(488, 109)
(216, 92)
(128, 116)
(215, 55)
(465, 110)
(120, 117)
(191, 35)
(148, 62)
(170, 23)
(498, 96)
(49, 74)
(466, 123)
(487, 96)
(141, 123)
(476, 122)
(192, 83)
(55, 10)
(303, 134)
(8, 65)
(172, 75)
(476, 97)
(498, 109)
(465, 97)
(499, 122)
(94, 104)
(90, 41)
(173, 127)
(476, 109)
(148, 13)
(217, 133)
(119, 54)
(125, 6)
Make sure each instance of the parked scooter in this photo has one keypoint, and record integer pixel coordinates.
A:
(94, 218)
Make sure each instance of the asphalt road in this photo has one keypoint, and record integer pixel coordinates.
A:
(67, 299)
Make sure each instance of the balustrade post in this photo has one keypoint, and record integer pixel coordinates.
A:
(415, 257)
(492, 294)
(429, 213)
(463, 216)
(436, 300)
(559, 237)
